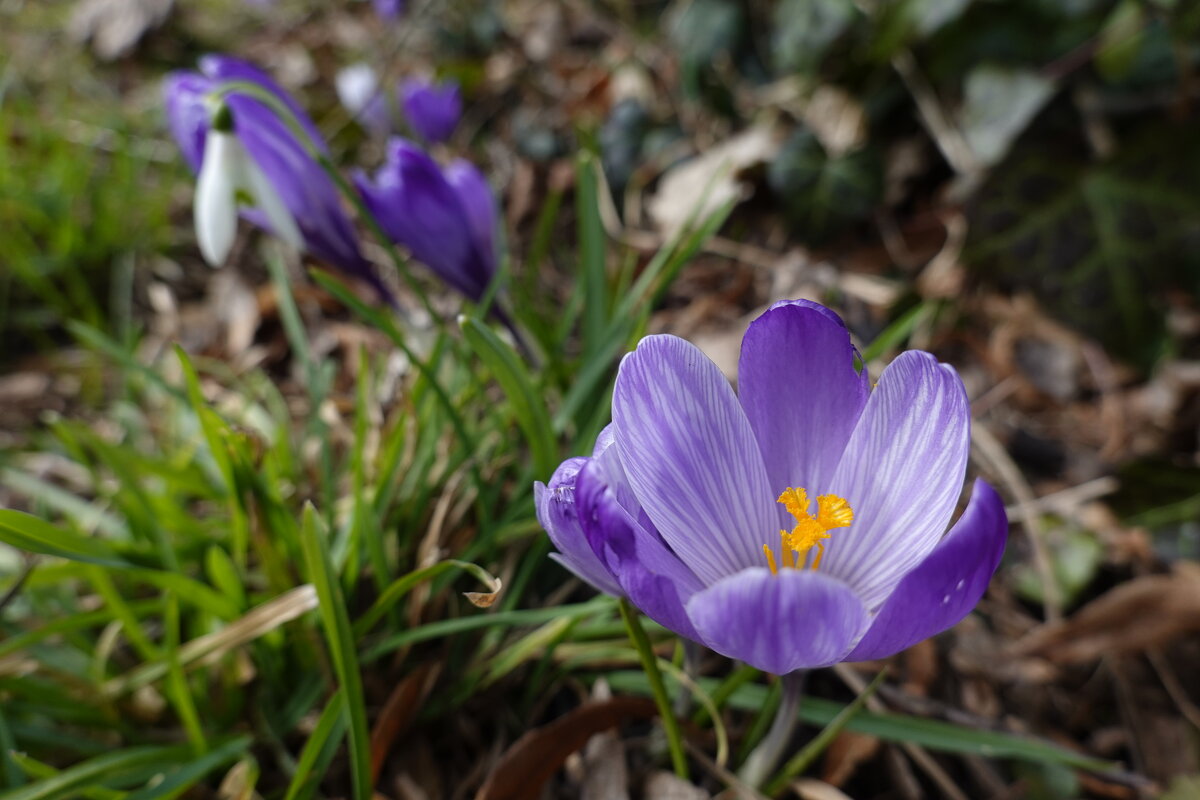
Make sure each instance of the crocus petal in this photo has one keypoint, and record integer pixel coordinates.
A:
(476, 197)
(943, 588)
(432, 110)
(417, 207)
(388, 9)
(798, 619)
(188, 117)
(797, 382)
(652, 577)
(691, 457)
(215, 206)
(558, 514)
(221, 68)
(902, 473)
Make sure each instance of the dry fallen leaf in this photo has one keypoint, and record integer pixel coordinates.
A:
(399, 711)
(485, 599)
(712, 177)
(532, 759)
(811, 789)
(1143, 613)
(662, 785)
(115, 26)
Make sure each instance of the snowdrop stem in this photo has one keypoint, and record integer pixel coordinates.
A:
(761, 762)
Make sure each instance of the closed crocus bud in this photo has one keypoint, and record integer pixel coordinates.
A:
(388, 9)
(432, 110)
(358, 90)
(446, 219)
(279, 171)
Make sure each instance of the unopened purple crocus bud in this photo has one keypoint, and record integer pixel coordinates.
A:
(431, 109)
(446, 218)
(281, 159)
(388, 9)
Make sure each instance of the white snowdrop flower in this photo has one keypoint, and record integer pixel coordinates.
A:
(229, 177)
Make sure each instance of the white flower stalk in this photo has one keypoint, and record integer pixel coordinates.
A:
(228, 176)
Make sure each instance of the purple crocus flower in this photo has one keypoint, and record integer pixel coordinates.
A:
(281, 157)
(795, 525)
(431, 109)
(445, 217)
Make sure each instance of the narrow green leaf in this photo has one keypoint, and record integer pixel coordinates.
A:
(340, 640)
(116, 766)
(402, 585)
(518, 386)
(27, 532)
(934, 734)
(329, 726)
(591, 251)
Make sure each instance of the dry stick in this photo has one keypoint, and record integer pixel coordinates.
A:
(918, 754)
(1066, 501)
(207, 649)
(945, 134)
(741, 790)
(993, 454)
(1174, 688)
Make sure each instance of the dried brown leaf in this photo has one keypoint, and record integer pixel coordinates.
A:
(399, 711)
(532, 759)
(1143, 613)
(115, 26)
(699, 186)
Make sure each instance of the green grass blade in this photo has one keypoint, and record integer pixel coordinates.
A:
(27, 532)
(340, 640)
(591, 252)
(117, 766)
(329, 726)
(518, 386)
(933, 734)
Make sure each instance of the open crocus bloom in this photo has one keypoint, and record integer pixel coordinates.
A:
(796, 525)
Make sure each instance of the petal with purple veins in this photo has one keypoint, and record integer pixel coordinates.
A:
(652, 577)
(798, 619)
(559, 516)
(802, 395)
(691, 457)
(943, 588)
(902, 474)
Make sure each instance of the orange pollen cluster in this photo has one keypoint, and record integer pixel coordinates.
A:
(811, 530)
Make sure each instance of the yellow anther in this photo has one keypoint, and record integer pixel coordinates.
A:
(833, 512)
(810, 531)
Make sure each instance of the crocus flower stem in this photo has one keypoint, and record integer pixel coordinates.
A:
(641, 643)
(763, 759)
(809, 753)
